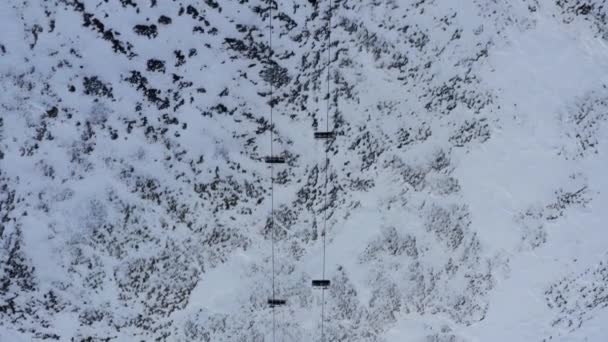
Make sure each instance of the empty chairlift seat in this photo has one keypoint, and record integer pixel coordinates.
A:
(276, 302)
(323, 284)
(274, 160)
(325, 135)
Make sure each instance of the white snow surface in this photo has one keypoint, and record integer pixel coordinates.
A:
(466, 192)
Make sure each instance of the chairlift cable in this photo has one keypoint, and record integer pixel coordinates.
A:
(326, 167)
(272, 233)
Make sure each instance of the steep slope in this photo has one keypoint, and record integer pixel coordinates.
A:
(465, 186)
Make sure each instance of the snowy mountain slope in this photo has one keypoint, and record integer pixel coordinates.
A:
(465, 187)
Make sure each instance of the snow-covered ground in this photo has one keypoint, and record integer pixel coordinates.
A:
(466, 194)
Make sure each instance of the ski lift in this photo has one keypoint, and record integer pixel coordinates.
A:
(325, 135)
(322, 284)
(274, 160)
(276, 302)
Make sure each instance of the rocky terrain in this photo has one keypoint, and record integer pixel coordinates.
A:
(466, 187)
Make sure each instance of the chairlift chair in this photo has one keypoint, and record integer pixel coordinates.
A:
(321, 283)
(274, 160)
(276, 302)
(325, 135)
